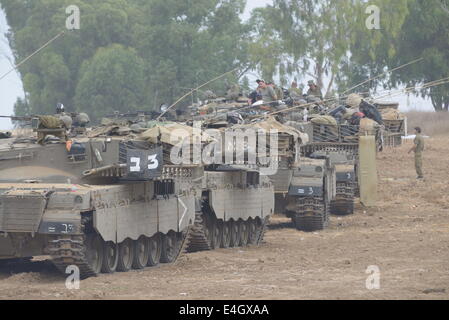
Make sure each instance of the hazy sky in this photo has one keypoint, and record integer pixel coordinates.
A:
(11, 86)
(251, 4)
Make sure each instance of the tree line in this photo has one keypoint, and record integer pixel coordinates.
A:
(134, 55)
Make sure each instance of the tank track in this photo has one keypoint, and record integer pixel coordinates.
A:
(198, 239)
(185, 242)
(70, 250)
(263, 229)
(344, 202)
(312, 214)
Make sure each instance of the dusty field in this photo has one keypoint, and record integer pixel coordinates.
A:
(406, 236)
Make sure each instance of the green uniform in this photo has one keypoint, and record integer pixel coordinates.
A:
(279, 93)
(315, 92)
(295, 92)
(233, 92)
(419, 144)
(268, 94)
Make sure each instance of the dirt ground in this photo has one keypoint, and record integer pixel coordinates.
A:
(406, 236)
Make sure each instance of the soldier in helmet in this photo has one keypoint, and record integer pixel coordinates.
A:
(60, 108)
(314, 90)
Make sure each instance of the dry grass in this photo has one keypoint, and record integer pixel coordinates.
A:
(432, 123)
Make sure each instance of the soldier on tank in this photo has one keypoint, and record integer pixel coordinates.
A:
(60, 108)
(314, 90)
(268, 96)
(278, 90)
(233, 93)
(418, 149)
(267, 92)
(295, 92)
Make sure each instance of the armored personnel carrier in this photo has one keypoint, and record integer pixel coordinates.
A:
(340, 142)
(304, 186)
(110, 200)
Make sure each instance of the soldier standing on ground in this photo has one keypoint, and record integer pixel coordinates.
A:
(314, 90)
(418, 149)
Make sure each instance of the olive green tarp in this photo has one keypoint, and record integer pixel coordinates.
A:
(272, 124)
(392, 114)
(50, 122)
(172, 134)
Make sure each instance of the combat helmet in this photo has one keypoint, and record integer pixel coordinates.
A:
(354, 100)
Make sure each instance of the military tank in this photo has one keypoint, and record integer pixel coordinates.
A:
(110, 200)
(304, 187)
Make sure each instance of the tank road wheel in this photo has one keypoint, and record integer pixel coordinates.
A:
(244, 233)
(94, 252)
(110, 257)
(216, 235)
(170, 247)
(155, 249)
(252, 231)
(141, 253)
(225, 234)
(259, 230)
(235, 234)
(125, 255)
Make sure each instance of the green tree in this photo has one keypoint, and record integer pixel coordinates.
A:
(113, 80)
(318, 39)
(425, 34)
(373, 52)
(175, 45)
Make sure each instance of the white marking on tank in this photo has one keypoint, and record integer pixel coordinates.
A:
(183, 214)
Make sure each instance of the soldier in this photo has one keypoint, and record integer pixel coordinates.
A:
(233, 92)
(60, 108)
(314, 90)
(267, 92)
(295, 92)
(418, 149)
(278, 90)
